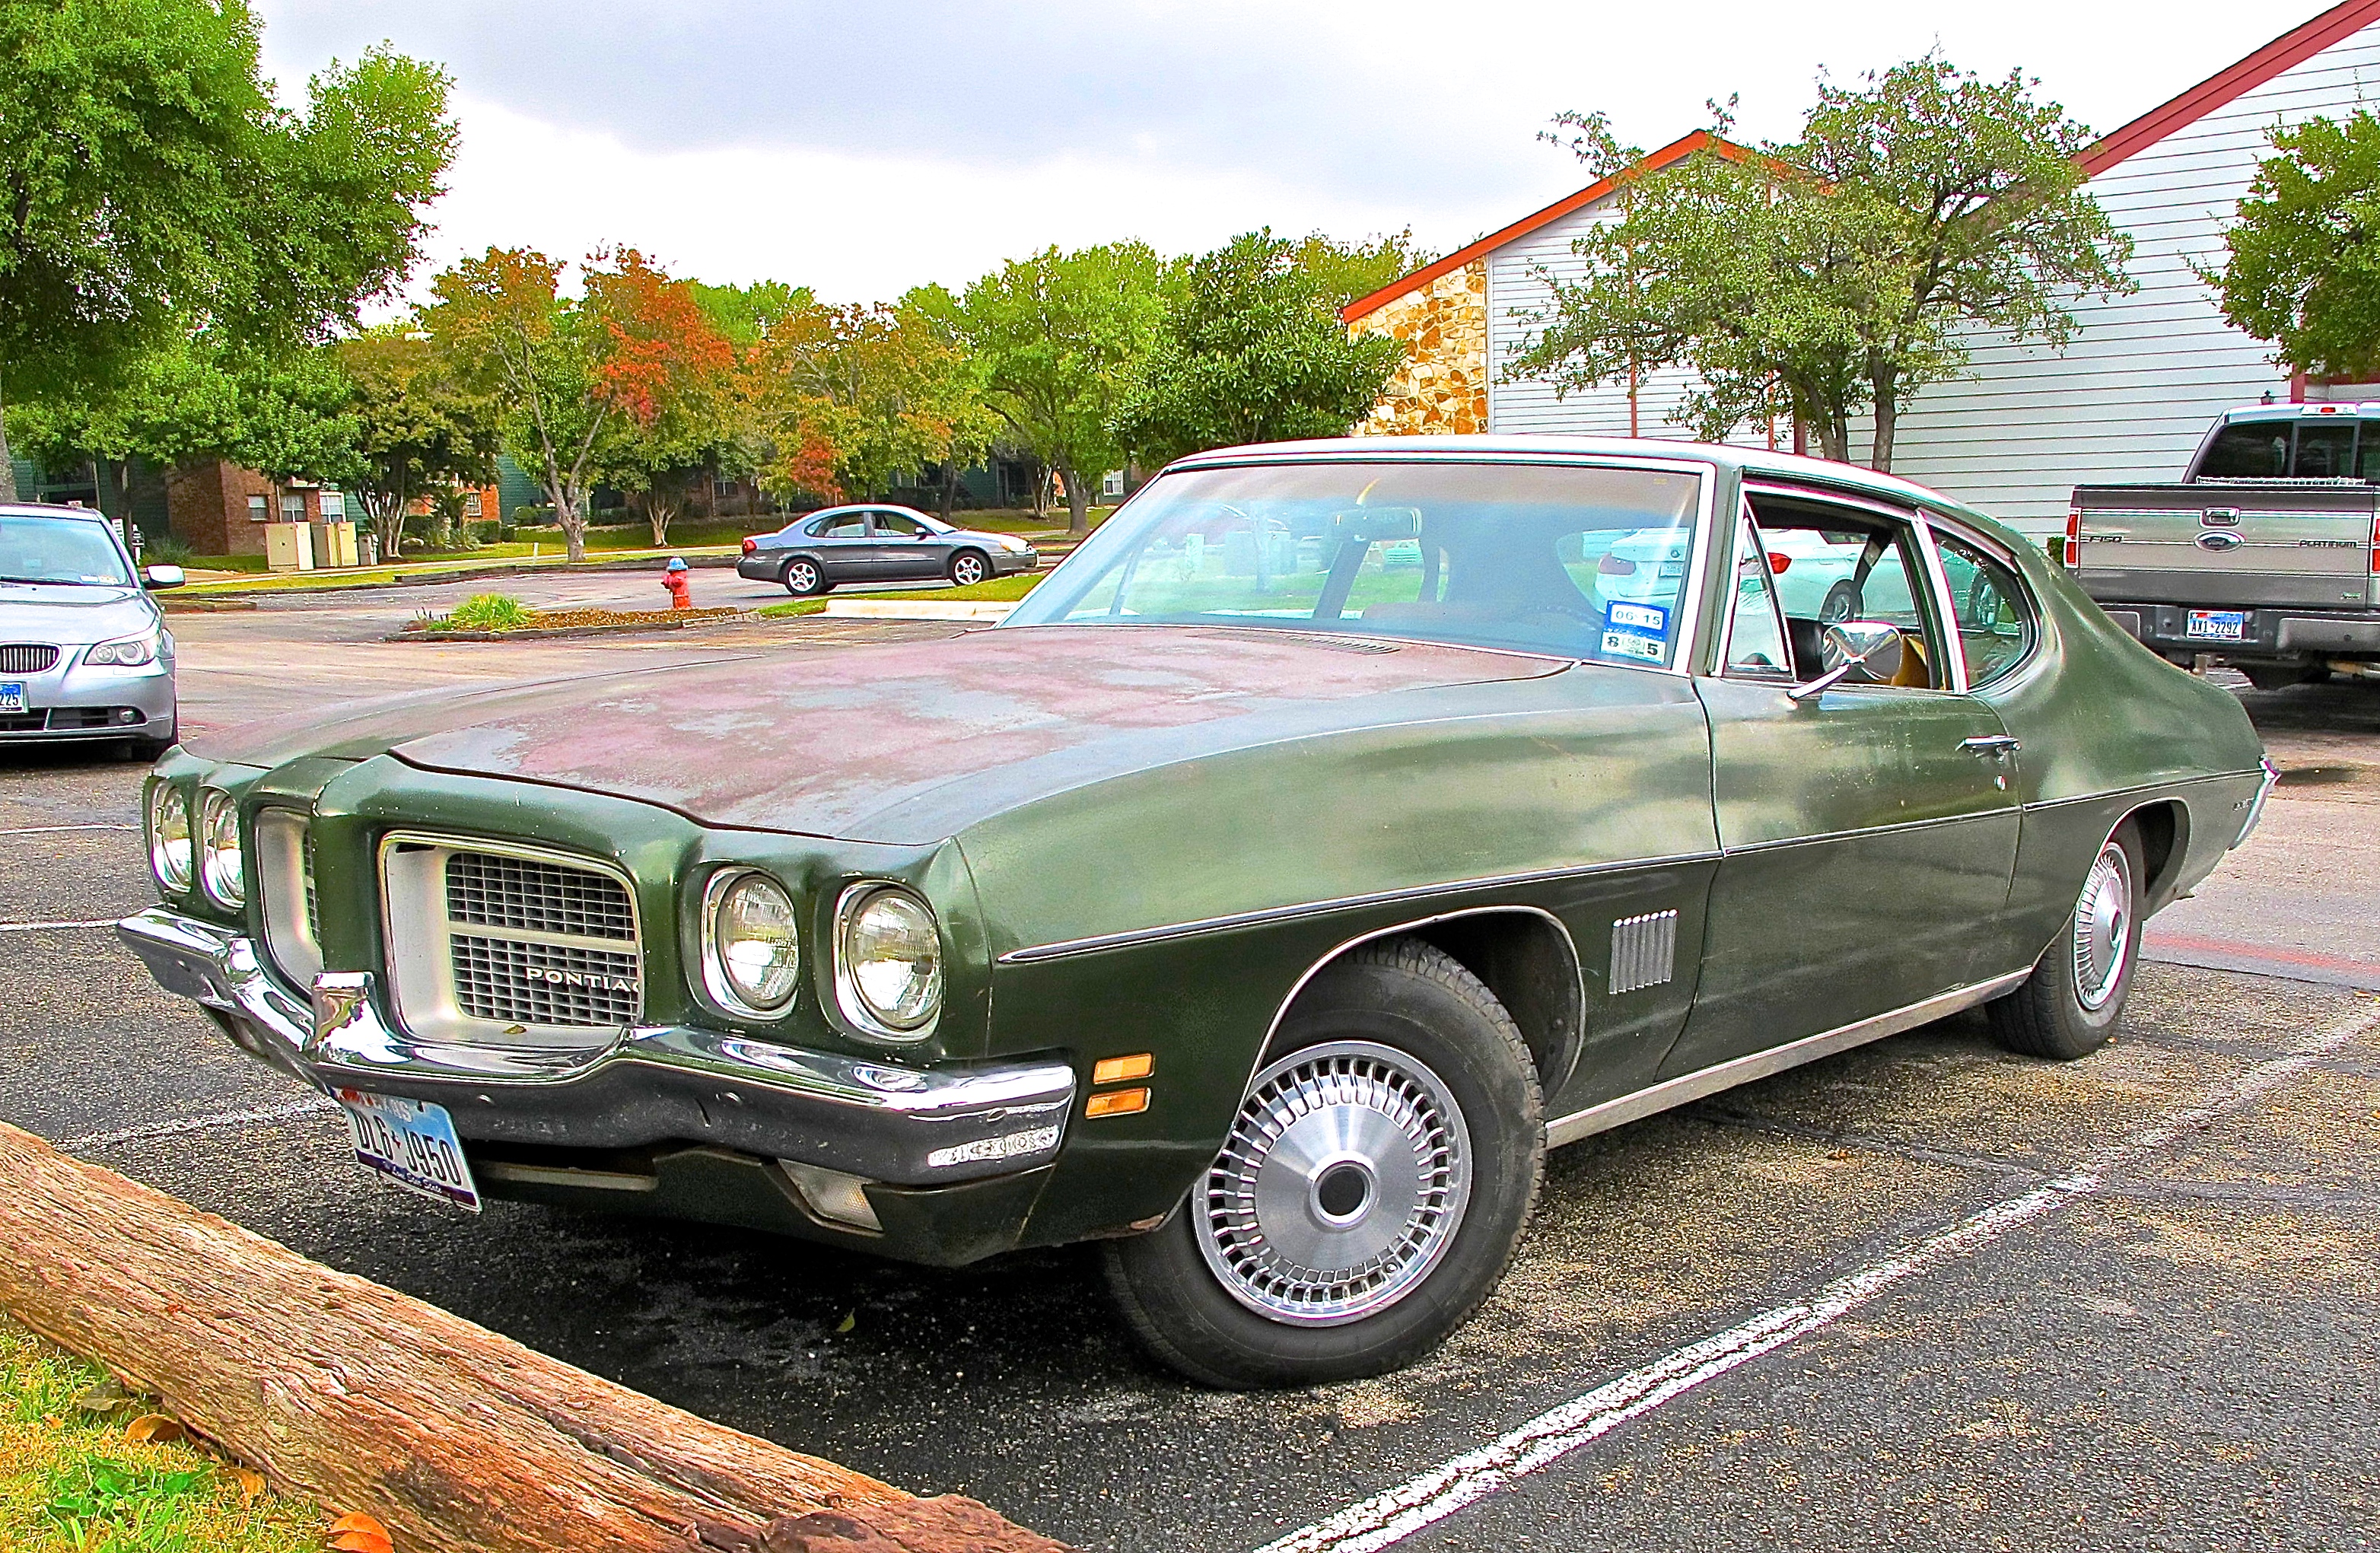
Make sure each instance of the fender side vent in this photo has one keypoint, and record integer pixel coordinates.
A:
(1644, 951)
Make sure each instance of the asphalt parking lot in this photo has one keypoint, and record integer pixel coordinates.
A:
(1924, 1295)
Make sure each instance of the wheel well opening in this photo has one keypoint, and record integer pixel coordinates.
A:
(2163, 827)
(1529, 963)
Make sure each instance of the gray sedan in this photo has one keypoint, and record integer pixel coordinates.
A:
(84, 653)
(878, 543)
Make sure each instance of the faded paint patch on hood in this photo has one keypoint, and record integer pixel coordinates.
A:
(907, 742)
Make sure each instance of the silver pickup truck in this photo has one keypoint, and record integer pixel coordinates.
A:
(2264, 557)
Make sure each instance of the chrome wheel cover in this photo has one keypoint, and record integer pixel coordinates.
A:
(800, 577)
(2103, 929)
(1343, 1182)
(966, 571)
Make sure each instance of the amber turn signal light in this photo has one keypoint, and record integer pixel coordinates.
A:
(1115, 1069)
(1120, 1102)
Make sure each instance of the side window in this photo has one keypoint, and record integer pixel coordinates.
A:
(1832, 566)
(843, 526)
(1993, 613)
(1755, 632)
(2325, 449)
(897, 526)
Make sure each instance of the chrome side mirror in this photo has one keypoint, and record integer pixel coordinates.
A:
(155, 578)
(1869, 649)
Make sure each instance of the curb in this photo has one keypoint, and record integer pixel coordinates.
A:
(968, 611)
(207, 603)
(558, 632)
(476, 574)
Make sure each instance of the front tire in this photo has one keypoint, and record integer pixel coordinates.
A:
(1374, 1188)
(967, 568)
(2074, 999)
(805, 578)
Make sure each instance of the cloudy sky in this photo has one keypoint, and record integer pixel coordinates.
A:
(862, 148)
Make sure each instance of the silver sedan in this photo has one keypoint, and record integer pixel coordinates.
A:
(84, 651)
(878, 543)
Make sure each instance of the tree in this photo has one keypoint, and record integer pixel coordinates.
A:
(148, 179)
(1842, 271)
(1343, 271)
(2303, 266)
(1251, 350)
(1059, 336)
(418, 430)
(635, 347)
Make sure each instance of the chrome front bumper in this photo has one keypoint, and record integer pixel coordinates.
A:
(655, 1084)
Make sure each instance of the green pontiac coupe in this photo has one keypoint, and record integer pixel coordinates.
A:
(1343, 825)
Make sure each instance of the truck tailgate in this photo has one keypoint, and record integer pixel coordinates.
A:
(2307, 544)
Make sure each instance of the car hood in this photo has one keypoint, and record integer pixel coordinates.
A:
(71, 616)
(904, 743)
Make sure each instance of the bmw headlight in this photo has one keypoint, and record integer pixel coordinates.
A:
(888, 961)
(125, 652)
(752, 959)
(219, 864)
(169, 837)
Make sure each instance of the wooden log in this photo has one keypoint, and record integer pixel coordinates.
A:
(362, 1399)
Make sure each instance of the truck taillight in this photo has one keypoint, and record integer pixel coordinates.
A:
(2073, 539)
(2375, 544)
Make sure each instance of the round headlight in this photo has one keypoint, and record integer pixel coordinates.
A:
(754, 964)
(169, 836)
(219, 868)
(889, 962)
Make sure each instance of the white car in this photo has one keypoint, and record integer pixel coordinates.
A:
(84, 651)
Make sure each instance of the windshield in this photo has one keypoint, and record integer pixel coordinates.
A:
(1571, 560)
(59, 550)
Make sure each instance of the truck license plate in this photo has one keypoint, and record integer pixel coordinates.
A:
(411, 1143)
(2216, 625)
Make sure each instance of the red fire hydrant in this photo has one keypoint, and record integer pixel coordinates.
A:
(678, 580)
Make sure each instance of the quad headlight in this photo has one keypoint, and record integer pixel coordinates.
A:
(752, 953)
(220, 873)
(888, 961)
(169, 837)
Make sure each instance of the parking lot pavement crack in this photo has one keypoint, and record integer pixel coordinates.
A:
(249, 1117)
(1868, 1144)
(1429, 1497)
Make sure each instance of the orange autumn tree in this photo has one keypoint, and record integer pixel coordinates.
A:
(578, 379)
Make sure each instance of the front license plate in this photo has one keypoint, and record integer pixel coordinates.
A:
(412, 1143)
(2216, 625)
(12, 697)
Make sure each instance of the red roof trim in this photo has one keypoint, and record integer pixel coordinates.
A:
(1676, 151)
(2290, 49)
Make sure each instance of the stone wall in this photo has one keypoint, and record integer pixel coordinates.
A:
(1442, 387)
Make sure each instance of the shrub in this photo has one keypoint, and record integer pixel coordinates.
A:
(165, 550)
(489, 612)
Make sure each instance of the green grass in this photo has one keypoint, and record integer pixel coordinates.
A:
(71, 1482)
(997, 590)
(487, 612)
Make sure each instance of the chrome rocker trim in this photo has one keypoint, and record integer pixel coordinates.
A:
(657, 1083)
(1688, 1087)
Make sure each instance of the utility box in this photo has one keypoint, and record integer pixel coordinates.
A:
(335, 543)
(289, 547)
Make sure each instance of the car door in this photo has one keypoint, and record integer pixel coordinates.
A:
(842, 544)
(1867, 832)
(907, 548)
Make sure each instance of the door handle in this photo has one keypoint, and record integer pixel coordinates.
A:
(1991, 744)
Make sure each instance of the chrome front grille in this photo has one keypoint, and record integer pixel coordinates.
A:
(492, 890)
(493, 944)
(313, 897)
(515, 983)
(23, 658)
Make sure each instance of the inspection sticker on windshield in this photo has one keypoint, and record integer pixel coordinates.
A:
(412, 1143)
(1636, 631)
(12, 697)
(2216, 625)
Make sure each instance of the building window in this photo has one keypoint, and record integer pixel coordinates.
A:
(472, 504)
(293, 507)
(335, 506)
(256, 510)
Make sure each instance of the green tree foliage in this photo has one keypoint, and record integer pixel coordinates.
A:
(1060, 336)
(418, 430)
(2302, 268)
(1343, 271)
(147, 180)
(1843, 272)
(1251, 350)
(633, 350)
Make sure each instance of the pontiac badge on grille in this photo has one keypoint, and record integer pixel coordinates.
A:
(338, 997)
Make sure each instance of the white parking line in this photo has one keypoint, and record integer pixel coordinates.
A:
(45, 927)
(1423, 1501)
(283, 1112)
(53, 829)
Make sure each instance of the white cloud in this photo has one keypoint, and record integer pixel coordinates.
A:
(861, 148)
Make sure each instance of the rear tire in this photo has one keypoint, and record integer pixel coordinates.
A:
(1355, 1237)
(2074, 999)
(967, 568)
(805, 578)
(1842, 602)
